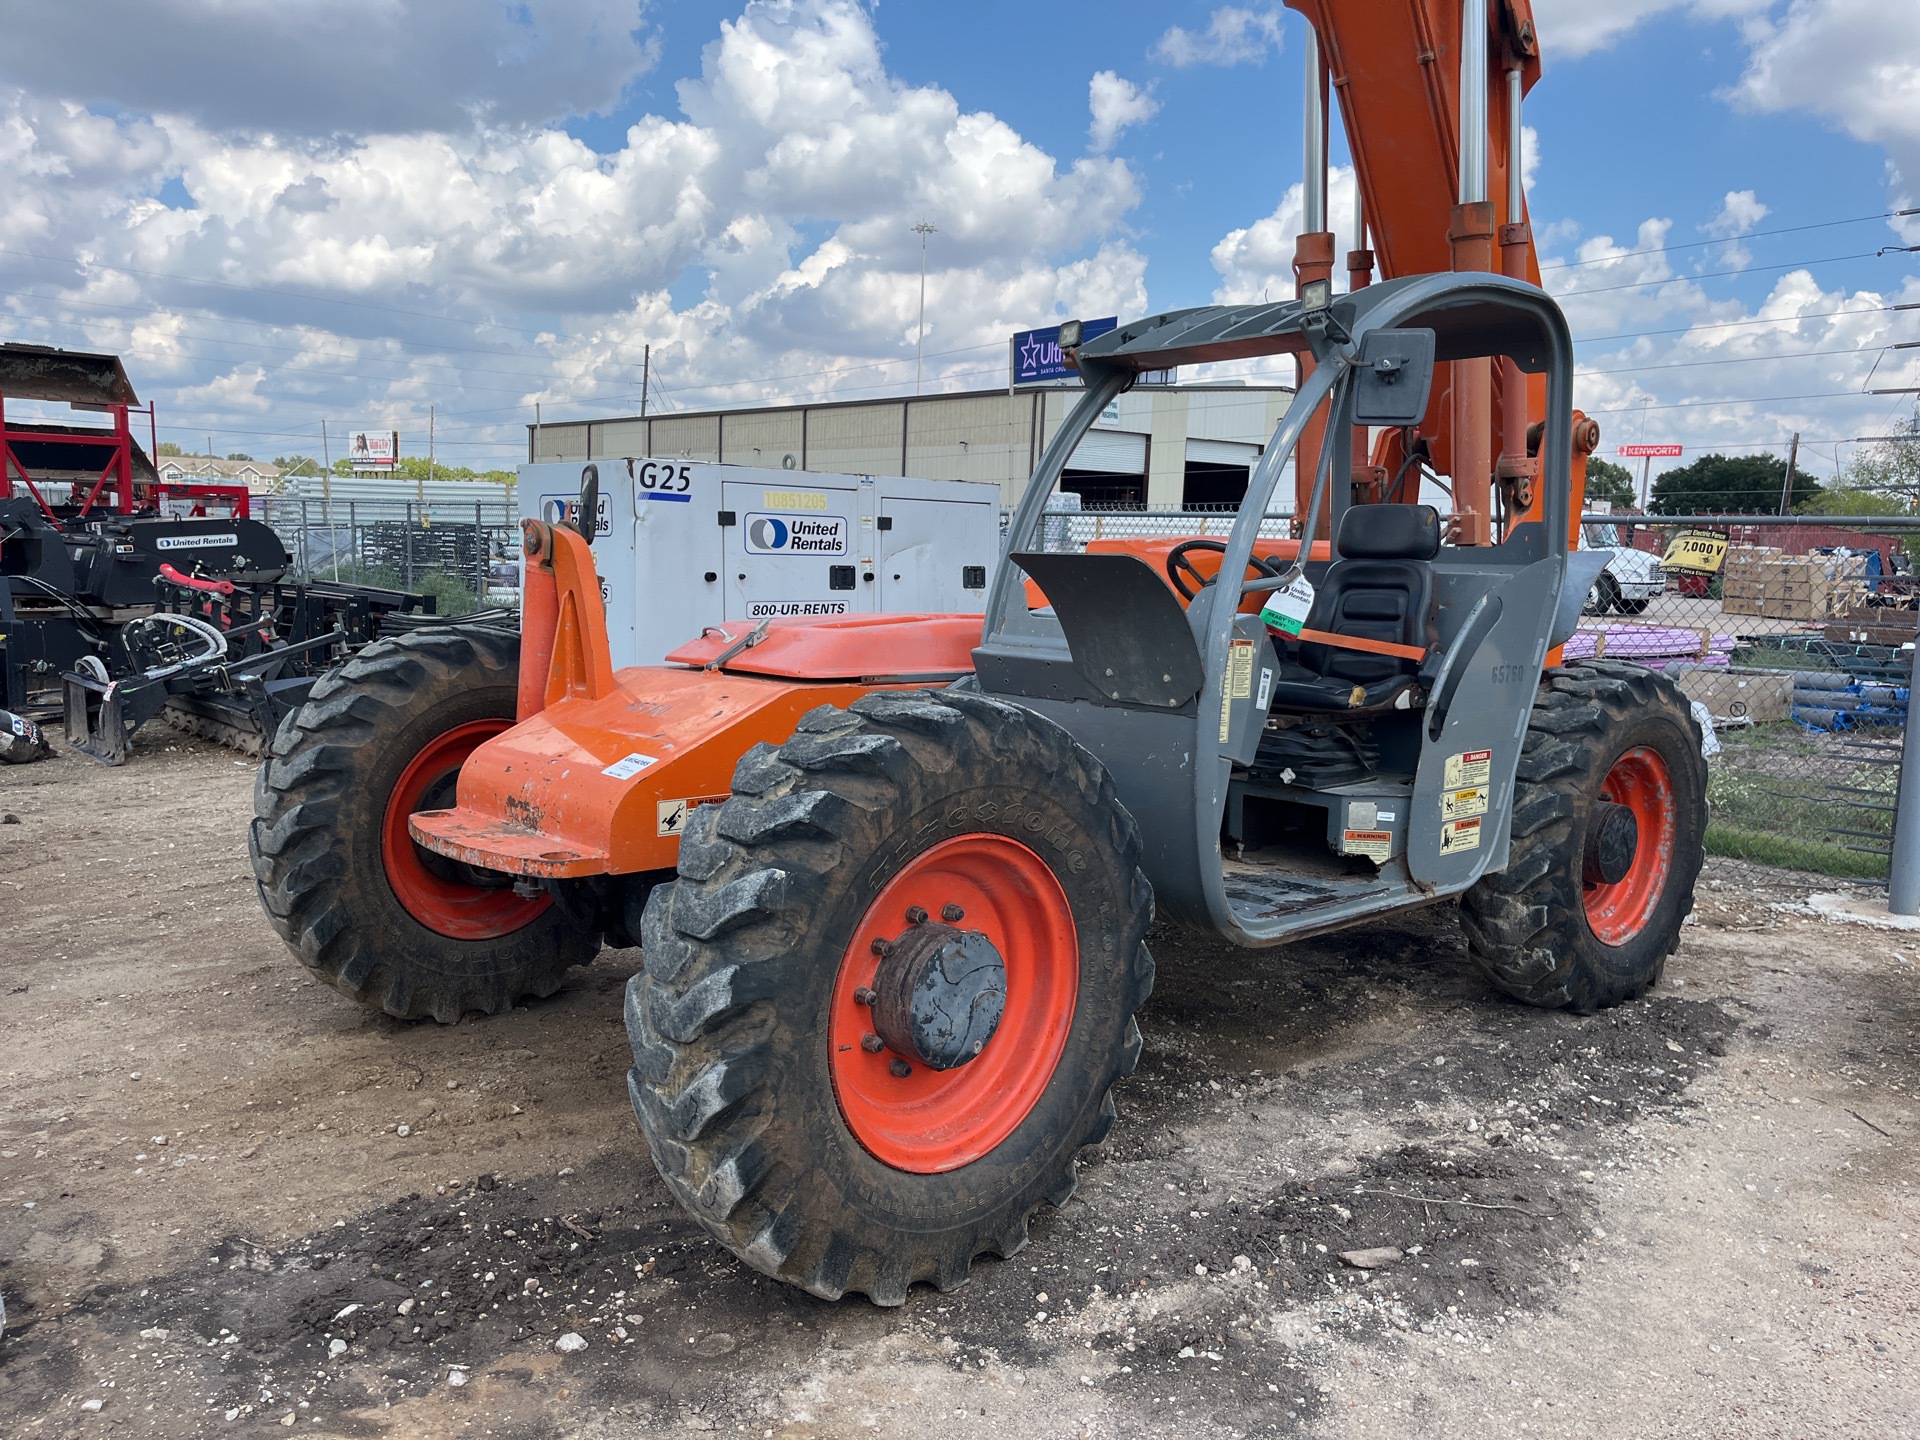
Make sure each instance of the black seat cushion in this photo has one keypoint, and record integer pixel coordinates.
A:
(1379, 588)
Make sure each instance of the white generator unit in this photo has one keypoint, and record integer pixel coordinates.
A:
(684, 544)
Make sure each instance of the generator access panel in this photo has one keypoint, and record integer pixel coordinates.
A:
(683, 544)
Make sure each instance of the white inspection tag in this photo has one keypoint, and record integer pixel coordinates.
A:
(1286, 608)
(631, 766)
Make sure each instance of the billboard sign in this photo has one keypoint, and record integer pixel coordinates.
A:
(374, 449)
(1655, 452)
(1036, 353)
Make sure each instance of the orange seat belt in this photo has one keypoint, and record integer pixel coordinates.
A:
(1371, 647)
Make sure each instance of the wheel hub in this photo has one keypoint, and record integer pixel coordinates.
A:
(1613, 842)
(939, 993)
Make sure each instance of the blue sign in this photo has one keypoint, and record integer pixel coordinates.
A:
(1036, 353)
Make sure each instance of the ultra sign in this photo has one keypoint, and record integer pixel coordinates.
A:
(1036, 353)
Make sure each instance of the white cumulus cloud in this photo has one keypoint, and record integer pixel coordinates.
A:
(1116, 103)
(1234, 36)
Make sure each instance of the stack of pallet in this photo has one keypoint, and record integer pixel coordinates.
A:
(1761, 580)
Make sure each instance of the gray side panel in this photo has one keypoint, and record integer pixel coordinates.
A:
(1488, 717)
(1151, 759)
(1583, 568)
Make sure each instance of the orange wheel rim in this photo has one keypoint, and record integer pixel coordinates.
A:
(433, 890)
(932, 1121)
(1640, 781)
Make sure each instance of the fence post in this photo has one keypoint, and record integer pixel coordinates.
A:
(353, 535)
(306, 545)
(1903, 878)
(479, 558)
(407, 530)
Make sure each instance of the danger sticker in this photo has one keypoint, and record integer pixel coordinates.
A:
(1459, 804)
(1376, 845)
(1469, 768)
(632, 765)
(671, 815)
(1458, 835)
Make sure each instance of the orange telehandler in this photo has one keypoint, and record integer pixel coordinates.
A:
(892, 877)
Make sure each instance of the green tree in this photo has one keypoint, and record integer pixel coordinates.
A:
(1729, 484)
(1890, 468)
(167, 447)
(296, 464)
(240, 455)
(1610, 482)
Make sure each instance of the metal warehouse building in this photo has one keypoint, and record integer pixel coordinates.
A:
(1162, 447)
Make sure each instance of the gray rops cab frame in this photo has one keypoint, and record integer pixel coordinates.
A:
(1259, 787)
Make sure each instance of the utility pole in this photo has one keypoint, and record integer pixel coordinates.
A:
(923, 230)
(1793, 459)
(646, 377)
(326, 494)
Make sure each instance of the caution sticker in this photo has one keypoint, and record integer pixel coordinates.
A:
(1458, 835)
(1376, 845)
(1469, 768)
(630, 766)
(1458, 804)
(671, 815)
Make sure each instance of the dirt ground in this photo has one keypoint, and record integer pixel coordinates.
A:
(234, 1203)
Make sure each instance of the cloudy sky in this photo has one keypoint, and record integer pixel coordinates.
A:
(284, 211)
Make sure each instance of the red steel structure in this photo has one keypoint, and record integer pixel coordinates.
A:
(108, 471)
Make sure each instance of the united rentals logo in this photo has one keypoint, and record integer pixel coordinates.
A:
(796, 535)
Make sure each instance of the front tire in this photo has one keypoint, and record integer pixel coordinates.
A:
(1549, 929)
(1604, 597)
(814, 1151)
(363, 907)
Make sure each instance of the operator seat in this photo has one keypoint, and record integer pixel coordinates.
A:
(1379, 587)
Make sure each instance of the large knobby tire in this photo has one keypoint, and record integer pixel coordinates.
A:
(1545, 930)
(836, 1165)
(361, 905)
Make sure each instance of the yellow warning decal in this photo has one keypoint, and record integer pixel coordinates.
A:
(1458, 835)
(1458, 804)
(1240, 669)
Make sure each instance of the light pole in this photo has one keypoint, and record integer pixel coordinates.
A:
(923, 230)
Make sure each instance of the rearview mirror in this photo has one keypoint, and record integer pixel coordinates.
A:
(1393, 375)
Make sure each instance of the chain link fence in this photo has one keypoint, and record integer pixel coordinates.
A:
(1794, 637)
(463, 553)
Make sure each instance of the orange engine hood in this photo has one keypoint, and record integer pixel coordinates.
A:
(598, 785)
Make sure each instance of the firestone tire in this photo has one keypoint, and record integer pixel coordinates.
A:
(749, 953)
(1599, 730)
(336, 883)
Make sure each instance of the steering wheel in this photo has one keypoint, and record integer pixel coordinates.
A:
(1179, 566)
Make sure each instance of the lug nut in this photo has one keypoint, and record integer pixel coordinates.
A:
(864, 996)
(900, 1070)
(872, 1043)
(882, 948)
(916, 916)
(952, 913)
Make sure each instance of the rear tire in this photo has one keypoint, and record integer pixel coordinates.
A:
(758, 1115)
(362, 907)
(1599, 730)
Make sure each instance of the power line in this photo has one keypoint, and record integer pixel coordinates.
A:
(1728, 240)
(1718, 274)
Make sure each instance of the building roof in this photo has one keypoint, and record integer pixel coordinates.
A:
(206, 467)
(39, 372)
